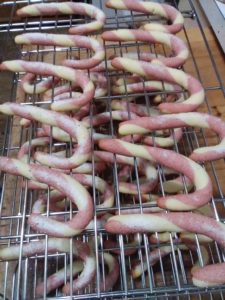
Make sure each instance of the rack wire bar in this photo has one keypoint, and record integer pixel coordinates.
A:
(170, 278)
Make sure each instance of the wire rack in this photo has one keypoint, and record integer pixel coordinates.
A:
(170, 278)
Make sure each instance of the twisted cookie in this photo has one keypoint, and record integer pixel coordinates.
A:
(65, 40)
(177, 46)
(73, 127)
(29, 147)
(84, 179)
(210, 275)
(160, 72)
(172, 160)
(193, 119)
(142, 110)
(162, 10)
(68, 8)
(45, 69)
(54, 245)
(172, 221)
(64, 184)
(140, 87)
(57, 279)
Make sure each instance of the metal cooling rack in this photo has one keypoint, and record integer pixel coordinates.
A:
(171, 278)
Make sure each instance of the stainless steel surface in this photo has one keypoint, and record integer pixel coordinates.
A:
(171, 278)
(216, 20)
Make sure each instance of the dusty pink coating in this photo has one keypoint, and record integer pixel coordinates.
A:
(65, 40)
(144, 167)
(162, 10)
(75, 76)
(171, 75)
(71, 126)
(68, 8)
(153, 257)
(193, 119)
(178, 47)
(27, 84)
(129, 249)
(171, 221)
(64, 184)
(80, 249)
(208, 276)
(175, 161)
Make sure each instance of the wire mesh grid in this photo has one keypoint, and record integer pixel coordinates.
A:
(171, 277)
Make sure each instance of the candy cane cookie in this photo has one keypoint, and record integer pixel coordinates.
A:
(73, 127)
(146, 86)
(87, 181)
(80, 249)
(110, 277)
(28, 86)
(163, 10)
(62, 136)
(153, 257)
(208, 276)
(164, 142)
(65, 40)
(171, 221)
(68, 8)
(177, 46)
(193, 119)
(173, 160)
(75, 76)
(30, 146)
(144, 167)
(113, 273)
(57, 279)
(64, 184)
(143, 111)
(160, 72)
